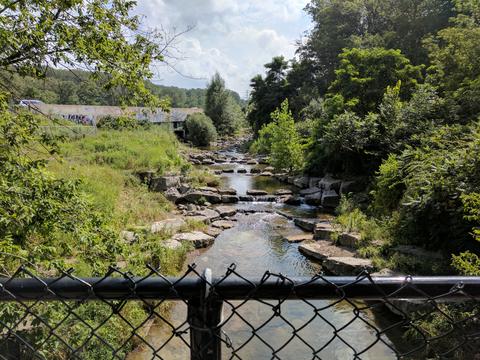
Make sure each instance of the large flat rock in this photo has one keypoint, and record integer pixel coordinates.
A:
(321, 250)
(299, 238)
(172, 225)
(351, 240)
(223, 224)
(347, 265)
(172, 244)
(306, 224)
(324, 231)
(197, 238)
(199, 197)
(225, 211)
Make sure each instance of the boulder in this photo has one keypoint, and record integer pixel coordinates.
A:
(226, 210)
(266, 173)
(283, 192)
(163, 183)
(208, 162)
(330, 199)
(321, 250)
(230, 199)
(323, 231)
(314, 199)
(228, 171)
(301, 182)
(269, 169)
(197, 238)
(218, 172)
(172, 194)
(247, 198)
(223, 224)
(209, 214)
(213, 231)
(299, 238)
(198, 197)
(347, 265)
(227, 192)
(256, 192)
(329, 183)
(173, 225)
(242, 171)
(251, 162)
(255, 171)
(306, 224)
(172, 244)
(350, 240)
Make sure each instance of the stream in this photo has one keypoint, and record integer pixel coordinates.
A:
(256, 244)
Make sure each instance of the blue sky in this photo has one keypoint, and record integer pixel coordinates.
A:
(234, 37)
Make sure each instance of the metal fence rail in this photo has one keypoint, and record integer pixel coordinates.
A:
(273, 316)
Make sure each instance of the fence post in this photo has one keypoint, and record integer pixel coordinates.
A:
(204, 315)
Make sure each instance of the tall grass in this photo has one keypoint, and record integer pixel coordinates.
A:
(105, 163)
(153, 149)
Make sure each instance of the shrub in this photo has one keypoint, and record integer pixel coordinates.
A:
(200, 129)
(121, 123)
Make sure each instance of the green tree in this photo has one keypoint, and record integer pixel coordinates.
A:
(455, 62)
(221, 107)
(200, 129)
(364, 75)
(267, 93)
(286, 152)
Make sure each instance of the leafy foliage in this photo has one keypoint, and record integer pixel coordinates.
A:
(122, 123)
(281, 141)
(363, 76)
(200, 129)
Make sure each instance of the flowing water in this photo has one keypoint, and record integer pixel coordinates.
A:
(256, 244)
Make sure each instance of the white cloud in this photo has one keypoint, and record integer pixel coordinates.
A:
(234, 37)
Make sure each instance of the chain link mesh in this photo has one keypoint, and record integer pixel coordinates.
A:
(272, 317)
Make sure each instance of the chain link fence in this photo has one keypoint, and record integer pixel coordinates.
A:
(200, 316)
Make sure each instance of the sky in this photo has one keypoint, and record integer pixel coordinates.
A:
(234, 37)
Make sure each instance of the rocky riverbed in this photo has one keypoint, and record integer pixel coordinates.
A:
(260, 222)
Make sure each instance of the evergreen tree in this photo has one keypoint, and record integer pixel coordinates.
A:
(221, 107)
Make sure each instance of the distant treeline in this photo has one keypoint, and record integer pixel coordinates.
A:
(77, 87)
